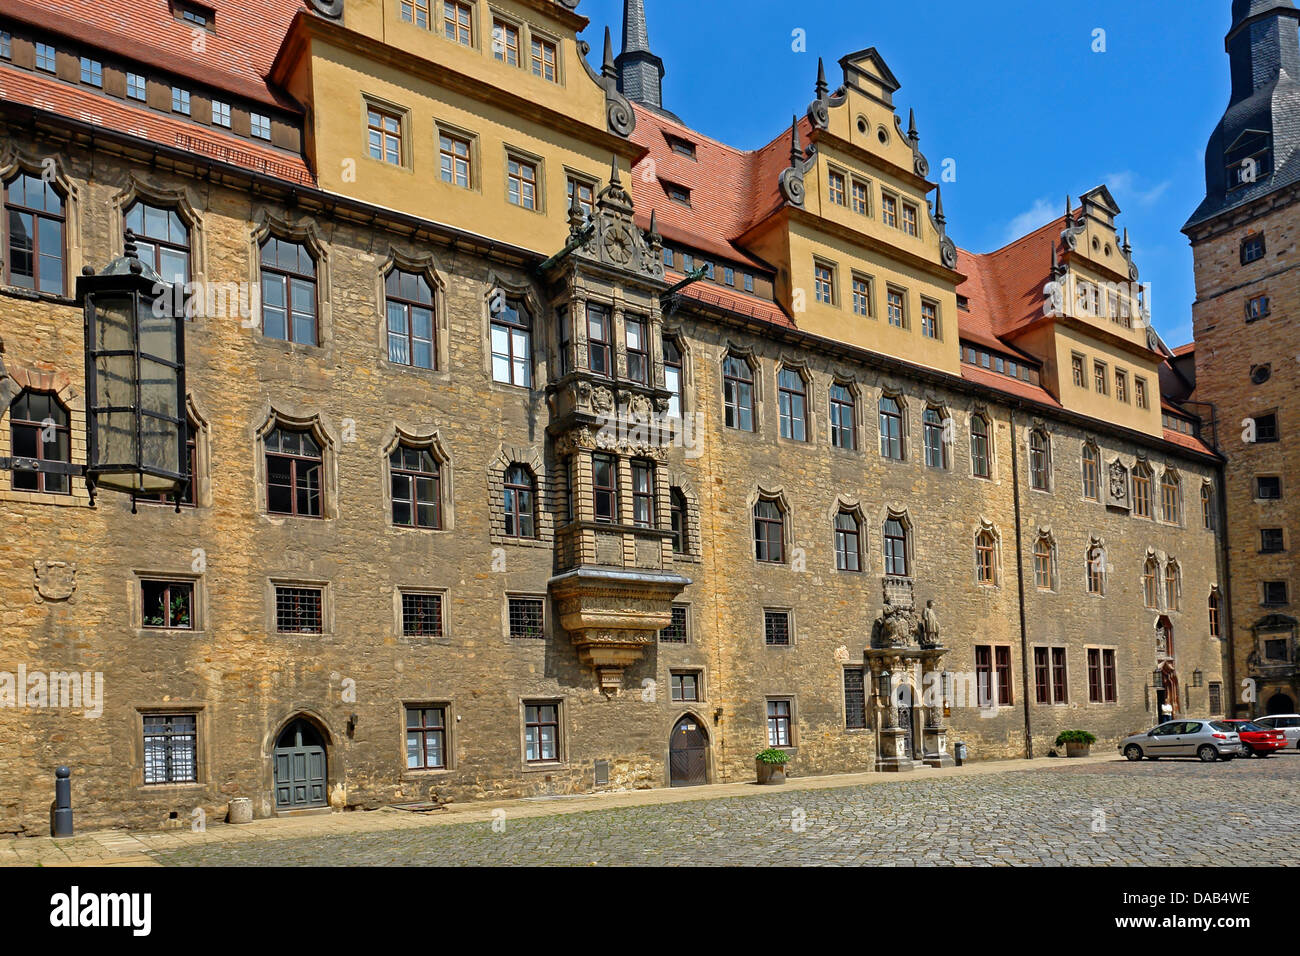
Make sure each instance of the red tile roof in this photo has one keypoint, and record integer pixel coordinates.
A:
(1009, 385)
(1187, 441)
(1182, 350)
(235, 57)
(55, 96)
(733, 301)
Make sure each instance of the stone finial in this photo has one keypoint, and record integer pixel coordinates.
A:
(796, 148)
(912, 134)
(608, 68)
(822, 87)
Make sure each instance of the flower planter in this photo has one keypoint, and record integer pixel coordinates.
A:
(770, 773)
(1077, 750)
(241, 810)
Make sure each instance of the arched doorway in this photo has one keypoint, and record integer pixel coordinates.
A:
(1280, 704)
(300, 767)
(688, 753)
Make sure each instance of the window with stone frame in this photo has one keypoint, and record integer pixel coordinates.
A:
(1044, 559)
(512, 345)
(679, 520)
(993, 678)
(604, 488)
(426, 737)
(638, 350)
(848, 541)
(986, 558)
(780, 723)
(1173, 585)
(1102, 684)
(643, 493)
(384, 135)
(981, 449)
(40, 431)
(686, 685)
(677, 631)
(738, 393)
(519, 498)
(1170, 498)
(1275, 593)
(1050, 679)
(792, 392)
(1213, 606)
(1207, 507)
(521, 183)
(166, 605)
(457, 22)
(170, 748)
(855, 698)
(162, 239)
(933, 438)
(289, 297)
(35, 231)
(1150, 593)
(769, 531)
(299, 609)
(891, 428)
(836, 191)
(843, 408)
(416, 480)
(1091, 459)
(600, 352)
(422, 614)
(1141, 491)
(408, 306)
(896, 548)
(294, 473)
(776, 627)
(673, 366)
(542, 732)
(1040, 460)
(526, 617)
(1095, 569)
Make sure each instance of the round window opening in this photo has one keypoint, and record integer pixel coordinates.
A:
(1260, 374)
(883, 136)
(863, 127)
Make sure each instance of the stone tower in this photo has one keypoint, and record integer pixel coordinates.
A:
(1247, 344)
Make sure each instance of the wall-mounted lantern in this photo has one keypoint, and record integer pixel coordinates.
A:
(885, 686)
(135, 380)
(1158, 679)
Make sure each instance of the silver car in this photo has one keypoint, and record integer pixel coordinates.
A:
(1209, 740)
(1289, 724)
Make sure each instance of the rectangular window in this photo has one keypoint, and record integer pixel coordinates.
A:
(415, 11)
(1140, 392)
(6, 45)
(1252, 249)
(541, 732)
(1108, 682)
(456, 22)
(526, 617)
(1266, 428)
(1002, 664)
(454, 157)
(426, 738)
(861, 198)
(1275, 593)
(1094, 675)
(686, 685)
(92, 72)
(676, 632)
(599, 353)
(929, 319)
(1076, 367)
(681, 147)
(855, 698)
(909, 219)
(544, 59)
(1257, 308)
(35, 224)
(299, 610)
(259, 125)
(195, 15)
(505, 42)
(170, 748)
(897, 311)
(638, 353)
(1270, 540)
(1216, 698)
(776, 628)
(749, 282)
(220, 114)
(993, 674)
(167, 605)
(836, 192)
(1102, 685)
(1099, 378)
(384, 136)
(521, 177)
(136, 87)
(643, 493)
(862, 296)
(421, 614)
(889, 210)
(180, 101)
(512, 345)
(778, 724)
(1042, 675)
(46, 58)
(1268, 487)
(1121, 385)
(824, 282)
(729, 276)
(678, 194)
(585, 193)
(604, 487)
(1060, 683)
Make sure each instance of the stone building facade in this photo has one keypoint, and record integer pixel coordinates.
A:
(1242, 364)
(543, 445)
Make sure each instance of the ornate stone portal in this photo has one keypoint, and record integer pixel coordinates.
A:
(906, 661)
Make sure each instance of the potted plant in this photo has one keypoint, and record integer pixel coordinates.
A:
(1077, 743)
(771, 765)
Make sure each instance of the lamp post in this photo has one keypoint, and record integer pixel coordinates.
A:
(135, 380)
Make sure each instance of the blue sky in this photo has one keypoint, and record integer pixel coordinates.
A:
(1011, 90)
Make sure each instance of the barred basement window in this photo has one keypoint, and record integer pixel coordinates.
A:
(1216, 698)
(675, 633)
(421, 615)
(855, 699)
(1275, 593)
(776, 628)
(527, 617)
(426, 738)
(299, 610)
(170, 748)
(167, 605)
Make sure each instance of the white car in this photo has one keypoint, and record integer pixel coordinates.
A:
(1289, 724)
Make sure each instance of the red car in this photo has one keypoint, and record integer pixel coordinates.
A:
(1258, 741)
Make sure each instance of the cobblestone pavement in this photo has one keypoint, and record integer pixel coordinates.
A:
(1100, 813)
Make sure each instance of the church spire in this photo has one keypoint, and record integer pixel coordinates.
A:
(640, 72)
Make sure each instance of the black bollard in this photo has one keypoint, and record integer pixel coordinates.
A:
(62, 803)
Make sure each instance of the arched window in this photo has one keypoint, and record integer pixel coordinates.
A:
(34, 222)
(1171, 585)
(848, 542)
(897, 561)
(936, 448)
(738, 393)
(161, 239)
(1043, 563)
(1091, 472)
(1150, 596)
(1169, 497)
(289, 307)
(677, 513)
(793, 396)
(294, 473)
(39, 428)
(1215, 626)
(408, 303)
(981, 457)
(417, 487)
(843, 417)
(1095, 559)
(769, 531)
(520, 502)
(1040, 463)
(891, 428)
(512, 345)
(1207, 507)
(985, 558)
(1141, 491)
(673, 376)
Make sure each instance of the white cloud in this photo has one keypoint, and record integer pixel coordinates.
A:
(1124, 187)
(1042, 211)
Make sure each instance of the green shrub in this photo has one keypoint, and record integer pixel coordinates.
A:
(772, 755)
(1074, 737)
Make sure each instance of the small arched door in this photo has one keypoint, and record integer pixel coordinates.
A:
(688, 754)
(1281, 704)
(300, 767)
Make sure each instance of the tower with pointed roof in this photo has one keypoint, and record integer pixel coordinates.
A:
(640, 72)
(1247, 348)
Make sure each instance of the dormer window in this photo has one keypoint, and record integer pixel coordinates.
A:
(682, 147)
(1249, 159)
(679, 194)
(196, 15)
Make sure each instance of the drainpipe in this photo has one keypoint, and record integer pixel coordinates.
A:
(1020, 585)
(1227, 633)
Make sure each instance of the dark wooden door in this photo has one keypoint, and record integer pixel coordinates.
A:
(688, 754)
(300, 770)
(905, 721)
